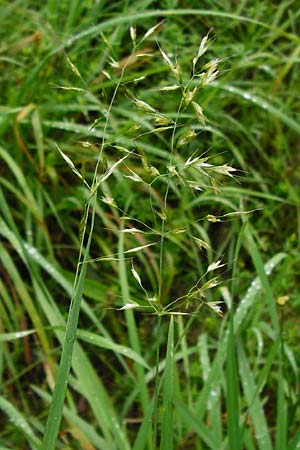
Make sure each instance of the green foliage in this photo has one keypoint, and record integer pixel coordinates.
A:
(149, 174)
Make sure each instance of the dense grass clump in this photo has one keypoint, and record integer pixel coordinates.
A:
(149, 174)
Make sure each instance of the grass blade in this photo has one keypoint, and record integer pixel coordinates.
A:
(281, 419)
(140, 441)
(241, 313)
(166, 442)
(293, 124)
(74, 418)
(232, 392)
(192, 421)
(20, 423)
(56, 408)
(133, 333)
(103, 342)
(294, 444)
(135, 18)
(89, 383)
(255, 406)
(262, 273)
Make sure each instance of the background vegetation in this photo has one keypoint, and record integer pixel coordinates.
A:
(113, 168)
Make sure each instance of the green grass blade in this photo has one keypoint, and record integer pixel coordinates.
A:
(75, 8)
(255, 406)
(256, 100)
(232, 392)
(139, 17)
(132, 329)
(75, 419)
(282, 412)
(20, 423)
(93, 31)
(166, 442)
(88, 380)
(214, 402)
(244, 306)
(255, 288)
(145, 429)
(106, 343)
(7, 337)
(257, 260)
(248, 440)
(30, 255)
(192, 422)
(56, 408)
(22, 182)
(281, 419)
(25, 296)
(294, 443)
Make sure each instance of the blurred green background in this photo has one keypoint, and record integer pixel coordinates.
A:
(72, 74)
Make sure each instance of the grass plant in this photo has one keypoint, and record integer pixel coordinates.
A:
(149, 174)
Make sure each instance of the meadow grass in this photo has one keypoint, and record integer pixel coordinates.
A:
(149, 174)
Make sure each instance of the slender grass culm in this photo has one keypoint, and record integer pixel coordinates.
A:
(148, 289)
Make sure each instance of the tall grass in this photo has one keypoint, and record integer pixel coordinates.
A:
(156, 154)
